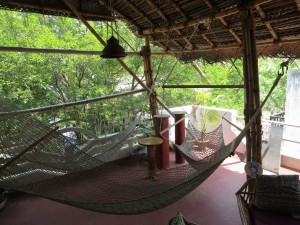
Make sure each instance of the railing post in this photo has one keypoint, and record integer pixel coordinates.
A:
(179, 134)
(162, 153)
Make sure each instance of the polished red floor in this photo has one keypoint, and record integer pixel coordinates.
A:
(212, 203)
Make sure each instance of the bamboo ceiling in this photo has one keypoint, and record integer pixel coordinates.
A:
(191, 29)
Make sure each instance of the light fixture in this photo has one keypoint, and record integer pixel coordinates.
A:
(113, 49)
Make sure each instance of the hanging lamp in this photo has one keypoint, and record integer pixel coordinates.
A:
(113, 49)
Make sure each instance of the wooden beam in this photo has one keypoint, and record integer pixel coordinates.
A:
(134, 8)
(67, 51)
(203, 86)
(123, 17)
(208, 40)
(228, 28)
(161, 14)
(235, 46)
(214, 8)
(174, 4)
(158, 10)
(198, 20)
(54, 10)
(202, 75)
(268, 24)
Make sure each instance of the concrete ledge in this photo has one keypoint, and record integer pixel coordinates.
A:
(290, 162)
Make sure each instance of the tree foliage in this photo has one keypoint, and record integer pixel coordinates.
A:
(33, 80)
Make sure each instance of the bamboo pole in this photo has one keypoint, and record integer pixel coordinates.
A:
(252, 101)
(79, 15)
(197, 68)
(67, 51)
(70, 104)
(198, 20)
(202, 86)
(146, 53)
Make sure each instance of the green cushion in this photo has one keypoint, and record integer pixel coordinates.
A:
(278, 193)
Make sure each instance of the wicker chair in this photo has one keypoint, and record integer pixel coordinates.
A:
(245, 198)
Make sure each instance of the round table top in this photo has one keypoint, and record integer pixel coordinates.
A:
(150, 141)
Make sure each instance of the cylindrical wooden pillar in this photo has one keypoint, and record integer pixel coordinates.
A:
(179, 134)
(162, 154)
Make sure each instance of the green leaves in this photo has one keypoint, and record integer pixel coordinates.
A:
(34, 80)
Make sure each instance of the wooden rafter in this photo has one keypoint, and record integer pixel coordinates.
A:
(51, 9)
(214, 8)
(165, 18)
(143, 15)
(174, 4)
(290, 16)
(123, 17)
(208, 40)
(258, 23)
(198, 20)
(268, 24)
(185, 38)
(158, 10)
(235, 46)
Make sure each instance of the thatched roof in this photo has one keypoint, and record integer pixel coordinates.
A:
(208, 29)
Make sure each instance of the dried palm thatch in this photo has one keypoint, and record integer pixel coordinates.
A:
(206, 29)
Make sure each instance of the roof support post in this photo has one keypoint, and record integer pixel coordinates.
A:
(251, 80)
(146, 53)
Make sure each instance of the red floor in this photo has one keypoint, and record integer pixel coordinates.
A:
(212, 203)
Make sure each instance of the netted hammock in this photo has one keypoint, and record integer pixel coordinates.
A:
(38, 160)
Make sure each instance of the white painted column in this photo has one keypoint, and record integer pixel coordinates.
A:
(292, 116)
